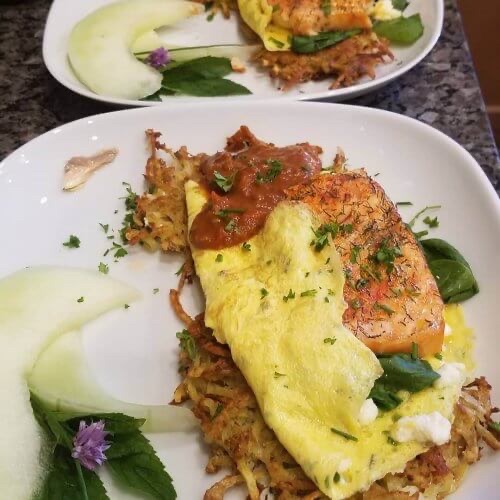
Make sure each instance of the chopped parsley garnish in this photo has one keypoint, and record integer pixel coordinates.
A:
(230, 226)
(187, 344)
(332, 228)
(360, 284)
(131, 198)
(494, 425)
(330, 340)
(372, 273)
(278, 44)
(326, 299)
(73, 242)
(224, 213)
(327, 261)
(156, 290)
(386, 255)
(326, 7)
(246, 247)
(263, 293)
(431, 222)
(336, 477)
(309, 293)
(279, 375)
(355, 304)
(118, 249)
(345, 435)
(275, 168)
(438, 356)
(354, 254)
(291, 295)
(385, 308)
(126, 306)
(403, 203)
(219, 258)
(103, 268)
(307, 274)
(414, 351)
(80, 300)
(224, 183)
(130, 206)
(210, 16)
(180, 270)
(430, 207)
(105, 227)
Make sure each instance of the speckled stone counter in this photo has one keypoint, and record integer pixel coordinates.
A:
(442, 90)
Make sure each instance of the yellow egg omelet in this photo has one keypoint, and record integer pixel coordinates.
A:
(279, 306)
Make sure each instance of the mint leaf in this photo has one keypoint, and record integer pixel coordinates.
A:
(402, 30)
(143, 472)
(204, 87)
(62, 482)
(204, 67)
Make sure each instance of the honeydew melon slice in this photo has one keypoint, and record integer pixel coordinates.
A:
(61, 378)
(99, 47)
(37, 305)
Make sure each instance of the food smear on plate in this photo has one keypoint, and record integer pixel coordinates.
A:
(78, 169)
(275, 312)
(99, 48)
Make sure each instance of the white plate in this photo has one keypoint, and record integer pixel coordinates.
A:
(134, 352)
(197, 31)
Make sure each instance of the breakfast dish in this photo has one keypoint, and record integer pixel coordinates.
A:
(280, 319)
(129, 51)
(319, 368)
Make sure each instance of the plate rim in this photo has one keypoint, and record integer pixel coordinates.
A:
(352, 91)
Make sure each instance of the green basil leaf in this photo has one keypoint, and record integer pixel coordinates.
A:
(400, 4)
(452, 277)
(383, 397)
(208, 87)
(402, 30)
(402, 372)
(142, 472)
(309, 44)
(62, 482)
(204, 67)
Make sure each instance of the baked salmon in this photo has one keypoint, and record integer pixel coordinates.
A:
(393, 300)
(309, 17)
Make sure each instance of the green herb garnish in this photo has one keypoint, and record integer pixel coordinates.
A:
(275, 168)
(276, 42)
(403, 203)
(223, 182)
(155, 290)
(187, 344)
(431, 222)
(386, 255)
(180, 270)
(425, 209)
(279, 375)
(354, 254)
(230, 226)
(345, 435)
(384, 307)
(225, 212)
(126, 306)
(103, 268)
(81, 299)
(336, 477)
(246, 247)
(309, 293)
(105, 227)
(263, 293)
(291, 295)
(73, 242)
(329, 340)
(219, 258)
(315, 43)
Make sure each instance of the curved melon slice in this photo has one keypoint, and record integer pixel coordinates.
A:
(37, 305)
(62, 379)
(99, 45)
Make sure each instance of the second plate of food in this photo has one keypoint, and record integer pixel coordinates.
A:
(150, 52)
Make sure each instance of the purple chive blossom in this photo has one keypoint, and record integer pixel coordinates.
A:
(159, 58)
(89, 444)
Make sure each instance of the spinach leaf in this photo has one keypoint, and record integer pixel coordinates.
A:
(453, 279)
(208, 87)
(401, 372)
(402, 30)
(309, 44)
(62, 482)
(400, 4)
(204, 67)
(384, 398)
(452, 272)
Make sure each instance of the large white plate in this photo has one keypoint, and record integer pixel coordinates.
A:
(134, 352)
(197, 31)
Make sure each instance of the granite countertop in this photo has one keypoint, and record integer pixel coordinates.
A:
(442, 90)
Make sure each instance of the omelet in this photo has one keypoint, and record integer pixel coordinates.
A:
(311, 376)
(275, 21)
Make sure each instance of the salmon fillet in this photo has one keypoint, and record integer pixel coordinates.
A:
(309, 17)
(393, 300)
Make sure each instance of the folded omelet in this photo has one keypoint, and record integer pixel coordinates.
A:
(311, 376)
(276, 20)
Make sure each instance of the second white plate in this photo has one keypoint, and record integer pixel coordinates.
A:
(198, 31)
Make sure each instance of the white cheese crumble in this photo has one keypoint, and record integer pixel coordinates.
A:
(368, 412)
(383, 10)
(424, 428)
(450, 374)
(447, 330)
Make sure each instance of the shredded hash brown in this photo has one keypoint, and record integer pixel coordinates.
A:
(346, 62)
(241, 442)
